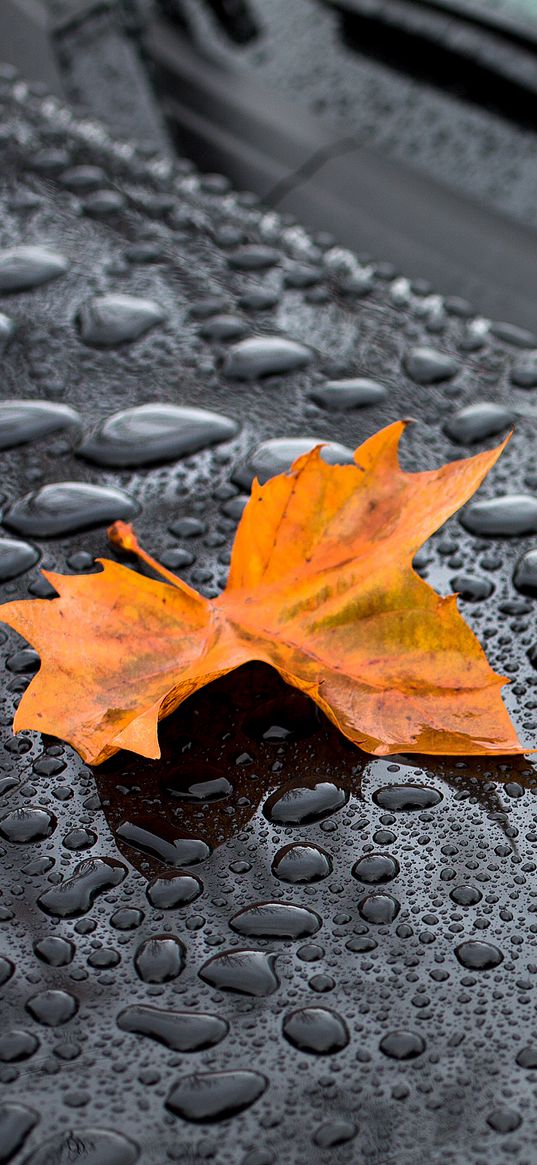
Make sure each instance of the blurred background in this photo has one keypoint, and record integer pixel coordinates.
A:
(406, 128)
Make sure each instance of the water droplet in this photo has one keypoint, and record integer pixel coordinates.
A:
(91, 1145)
(375, 868)
(259, 299)
(524, 371)
(160, 959)
(333, 1133)
(15, 558)
(315, 1029)
(182, 1031)
(301, 805)
(513, 334)
(170, 893)
(83, 177)
(25, 420)
(213, 788)
(67, 507)
(215, 1096)
(277, 456)
(527, 1057)
(525, 574)
(471, 588)
(156, 432)
(52, 1008)
(223, 328)
(402, 1045)
(74, 897)
(16, 1122)
(187, 527)
(23, 662)
(102, 203)
(478, 956)
(7, 970)
(109, 320)
(28, 824)
(507, 516)
(55, 951)
(428, 366)
(302, 275)
(402, 798)
(16, 1046)
(478, 421)
(254, 257)
(379, 908)
(242, 971)
(7, 331)
(154, 837)
(344, 395)
(265, 356)
(465, 895)
(23, 268)
(275, 920)
(504, 1120)
(301, 862)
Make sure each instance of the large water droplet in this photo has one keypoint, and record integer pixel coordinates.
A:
(478, 421)
(525, 574)
(16, 1122)
(52, 1008)
(344, 395)
(265, 356)
(427, 366)
(223, 328)
(375, 868)
(92, 1146)
(182, 1031)
(242, 971)
(301, 862)
(379, 908)
(156, 432)
(16, 1046)
(300, 805)
(278, 455)
(402, 1045)
(22, 268)
(504, 1120)
(160, 958)
(170, 893)
(30, 823)
(402, 798)
(506, 516)
(16, 557)
(67, 507)
(471, 588)
(478, 956)
(24, 420)
(215, 1096)
(154, 837)
(109, 320)
(275, 920)
(74, 896)
(254, 257)
(334, 1132)
(315, 1029)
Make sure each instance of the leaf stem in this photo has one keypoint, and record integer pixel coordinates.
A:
(123, 537)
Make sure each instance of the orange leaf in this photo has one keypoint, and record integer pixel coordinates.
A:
(321, 587)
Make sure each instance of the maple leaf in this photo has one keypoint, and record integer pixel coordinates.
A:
(321, 587)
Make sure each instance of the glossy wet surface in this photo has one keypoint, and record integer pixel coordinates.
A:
(267, 947)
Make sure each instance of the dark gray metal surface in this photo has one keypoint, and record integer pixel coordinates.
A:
(94, 1088)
